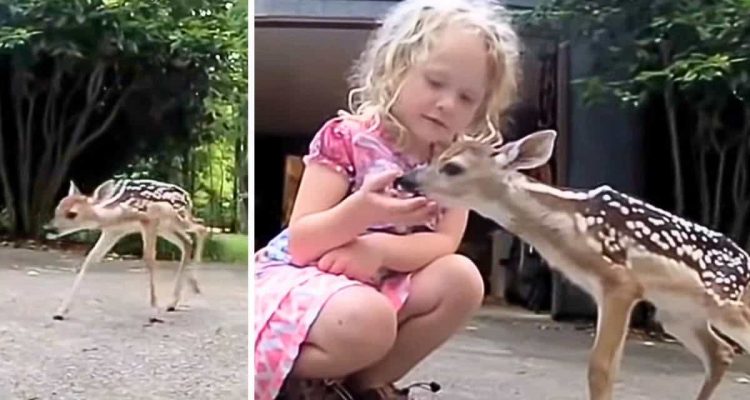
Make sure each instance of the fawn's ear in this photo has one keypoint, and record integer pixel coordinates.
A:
(528, 152)
(73, 189)
(104, 191)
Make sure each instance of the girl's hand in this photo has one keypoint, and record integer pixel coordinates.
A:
(385, 208)
(356, 260)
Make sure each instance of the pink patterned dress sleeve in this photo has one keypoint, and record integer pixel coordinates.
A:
(332, 147)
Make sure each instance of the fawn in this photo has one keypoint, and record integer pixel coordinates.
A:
(619, 249)
(122, 207)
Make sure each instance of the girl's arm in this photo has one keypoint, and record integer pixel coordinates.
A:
(407, 253)
(320, 219)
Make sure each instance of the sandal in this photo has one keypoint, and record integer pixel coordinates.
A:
(326, 389)
(391, 392)
(313, 389)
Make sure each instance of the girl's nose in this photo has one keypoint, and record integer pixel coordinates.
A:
(446, 103)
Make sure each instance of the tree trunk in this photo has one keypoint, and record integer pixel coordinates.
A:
(236, 224)
(740, 182)
(243, 170)
(212, 196)
(221, 195)
(716, 221)
(671, 108)
(703, 188)
(679, 203)
(739, 192)
(35, 200)
(10, 205)
(191, 165)
(20, 93)
(186, 182)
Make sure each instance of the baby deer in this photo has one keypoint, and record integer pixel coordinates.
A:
(619, 249)
(122, 207)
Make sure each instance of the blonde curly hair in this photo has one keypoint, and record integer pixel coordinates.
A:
(406, 37)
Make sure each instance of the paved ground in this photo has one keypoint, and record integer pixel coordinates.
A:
(509, 355)
(107, 349)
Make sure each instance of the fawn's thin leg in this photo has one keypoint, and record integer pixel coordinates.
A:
(715, 354)
(201, 233)
(183, 238)
(184, 244)
(149, 235)
(612, 323)
(104, 244)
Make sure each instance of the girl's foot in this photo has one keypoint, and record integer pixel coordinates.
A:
(320, 389)
(314, 389)
(391, 392)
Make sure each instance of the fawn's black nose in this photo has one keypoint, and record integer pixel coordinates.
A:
(407, 183)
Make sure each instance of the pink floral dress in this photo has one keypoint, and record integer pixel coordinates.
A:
(288, 298)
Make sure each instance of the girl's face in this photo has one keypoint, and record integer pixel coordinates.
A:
(440, 96)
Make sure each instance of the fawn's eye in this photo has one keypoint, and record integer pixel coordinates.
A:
(71, 214)
(452, 169)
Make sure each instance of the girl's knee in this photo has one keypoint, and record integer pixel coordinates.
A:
(465, 280)
(364, 321)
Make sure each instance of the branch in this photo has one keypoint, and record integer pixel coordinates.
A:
(95, 83)
(702, 173)
(670, 106)
(739, 181)
(739, 192)
(105, 125)
(24, 169)
(717, 190)
(50, 108)
(64, 123)
(18, 92)
(92, 91)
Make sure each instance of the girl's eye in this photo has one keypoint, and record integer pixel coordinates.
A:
(467, 99)
(434, 83)
(452, 169)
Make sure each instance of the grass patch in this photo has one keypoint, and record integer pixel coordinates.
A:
(220, 247)
(227, 247)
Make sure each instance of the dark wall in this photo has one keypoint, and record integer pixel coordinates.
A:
(270, 152)
(605, 147)
(605, 143)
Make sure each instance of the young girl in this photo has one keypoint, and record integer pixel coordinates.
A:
(365, 282)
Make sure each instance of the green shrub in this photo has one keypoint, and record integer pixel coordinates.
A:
(225, 247)
(220, 247)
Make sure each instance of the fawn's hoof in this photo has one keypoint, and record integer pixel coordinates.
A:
(155, 320)
(171, 309)
(58, 317)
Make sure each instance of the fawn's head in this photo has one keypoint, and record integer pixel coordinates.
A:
(471, 173)
(75, 211)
